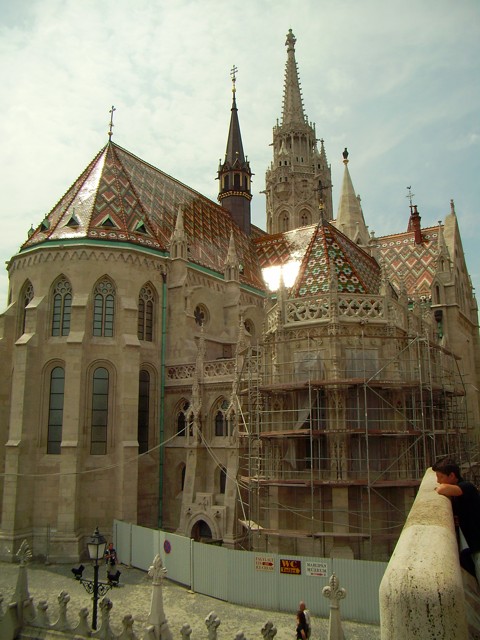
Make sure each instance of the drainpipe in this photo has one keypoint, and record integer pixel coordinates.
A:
(161, 450)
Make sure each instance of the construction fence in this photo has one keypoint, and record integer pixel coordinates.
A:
(266, 581)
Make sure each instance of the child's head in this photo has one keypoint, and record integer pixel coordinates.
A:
(447, 470)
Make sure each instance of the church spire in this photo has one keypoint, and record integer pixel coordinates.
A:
(350, 220)
(234, 174)
(298, 182)
(292, 97)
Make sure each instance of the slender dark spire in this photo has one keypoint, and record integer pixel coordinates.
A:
(234, 173)
(234, 153)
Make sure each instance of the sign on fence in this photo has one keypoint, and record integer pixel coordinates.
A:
(264, 563)
(317, 569)
(293, 567)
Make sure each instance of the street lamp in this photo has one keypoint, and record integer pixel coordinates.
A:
(96, 551)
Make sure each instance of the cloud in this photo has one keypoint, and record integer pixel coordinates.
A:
(392, 81)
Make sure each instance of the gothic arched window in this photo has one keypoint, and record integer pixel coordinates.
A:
(201, 315)
(100, 384)
(146, 303)
(103, 308)
(62, 308)
(221, 422)
(182, 418)
(304, 218)
(143, 410)
(26, 298)
(222, 479)
(183, 472)
(55, 410)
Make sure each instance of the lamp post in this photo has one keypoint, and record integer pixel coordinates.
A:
(96, 551)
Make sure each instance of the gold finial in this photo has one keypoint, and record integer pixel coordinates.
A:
(110, 132)
(233, 74)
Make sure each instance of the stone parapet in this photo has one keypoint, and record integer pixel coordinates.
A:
(421, 593)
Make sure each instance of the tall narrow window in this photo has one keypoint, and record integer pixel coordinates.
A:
(146, 301)
(62, 308)
(143, 410)
(221, 423)
(223, 479)
(103, 309)
(182, 476)
(99, 412)
(55, 410)
(182, 419)
(27, 298)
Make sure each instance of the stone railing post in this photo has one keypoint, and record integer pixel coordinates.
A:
(421, 593)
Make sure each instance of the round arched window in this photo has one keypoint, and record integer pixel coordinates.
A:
(201, 315)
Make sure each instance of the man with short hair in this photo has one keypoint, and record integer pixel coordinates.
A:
(465, 500)
(302, 607)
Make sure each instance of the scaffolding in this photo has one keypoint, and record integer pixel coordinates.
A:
(337, 433)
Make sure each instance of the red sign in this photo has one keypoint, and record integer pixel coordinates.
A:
(293, 567)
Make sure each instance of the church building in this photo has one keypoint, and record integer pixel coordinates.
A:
(170, 364)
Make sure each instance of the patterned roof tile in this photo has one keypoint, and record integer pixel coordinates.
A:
(119, 197)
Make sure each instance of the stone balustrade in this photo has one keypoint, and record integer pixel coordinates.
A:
(421, 593)
(21, 619)
(343, 308)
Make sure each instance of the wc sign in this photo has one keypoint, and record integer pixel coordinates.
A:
(293, 567)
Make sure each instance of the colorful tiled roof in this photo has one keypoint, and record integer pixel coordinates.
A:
(277, 249)
(410, 264)
(321, 248)
(330, 249)
(121, 198)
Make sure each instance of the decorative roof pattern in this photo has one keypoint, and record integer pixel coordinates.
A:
(408, 264)
(119, 197)
(330, 252)
(274, 250)
(320, 249)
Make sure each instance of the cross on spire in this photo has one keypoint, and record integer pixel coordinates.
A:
(110, 132)
(233, 74)
(410, 195)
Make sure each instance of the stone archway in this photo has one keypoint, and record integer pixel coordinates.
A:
(201, 531)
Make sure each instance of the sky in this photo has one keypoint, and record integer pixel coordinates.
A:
(395, 81)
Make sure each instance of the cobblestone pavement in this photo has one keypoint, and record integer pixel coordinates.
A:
(180, 605)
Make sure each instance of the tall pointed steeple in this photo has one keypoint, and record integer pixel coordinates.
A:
(234, 174)
(350, 220)
(299, 178)
(292, 98)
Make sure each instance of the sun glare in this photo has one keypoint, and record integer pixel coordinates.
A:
(289, 272)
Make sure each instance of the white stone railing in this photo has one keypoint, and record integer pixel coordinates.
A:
(344, 308)
(180, 372)
(349, 306)
(421, 593)
(307, 309)
(217, 368)
(211, 369)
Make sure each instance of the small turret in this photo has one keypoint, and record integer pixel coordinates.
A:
(234, 174)
(350, 220)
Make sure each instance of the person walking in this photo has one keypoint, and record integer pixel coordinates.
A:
(308, 620)
(301, 626)
(110, 556)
